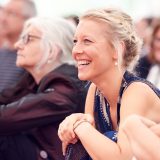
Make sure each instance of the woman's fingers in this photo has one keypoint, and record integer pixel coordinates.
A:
(64, 147)
(65, 131)
(66, 128)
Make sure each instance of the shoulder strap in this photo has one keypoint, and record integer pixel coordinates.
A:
(130, 78)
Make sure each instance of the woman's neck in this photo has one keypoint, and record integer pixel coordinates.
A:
(39, 72)
(38, 75)
(109, 85)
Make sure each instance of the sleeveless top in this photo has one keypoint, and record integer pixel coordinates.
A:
(103, 118)
(102, 108)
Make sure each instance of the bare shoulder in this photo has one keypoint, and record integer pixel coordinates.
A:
(140, 89)
(90, 99)
(140, 99)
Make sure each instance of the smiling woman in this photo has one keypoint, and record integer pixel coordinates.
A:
(106, 47)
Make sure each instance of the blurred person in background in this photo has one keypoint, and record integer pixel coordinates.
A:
(144, 29)
(3, 37)
(14, 14)
(48, 92)
(148, 66)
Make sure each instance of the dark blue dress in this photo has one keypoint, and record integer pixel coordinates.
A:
(102, 108)
(102, 114)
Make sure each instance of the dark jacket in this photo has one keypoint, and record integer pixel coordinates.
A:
(30, 115)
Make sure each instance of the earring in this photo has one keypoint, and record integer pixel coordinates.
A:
(116, 63)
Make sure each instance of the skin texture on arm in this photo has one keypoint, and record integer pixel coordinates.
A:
(143, 140)
(97, 145)
(156, 129)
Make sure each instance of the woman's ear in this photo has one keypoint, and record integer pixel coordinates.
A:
(54, 52)
(119, 50)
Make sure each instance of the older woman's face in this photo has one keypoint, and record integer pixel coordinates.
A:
(92, 51)
(29, 51)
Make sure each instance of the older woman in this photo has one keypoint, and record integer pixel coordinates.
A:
(32, 111)
(105, 47)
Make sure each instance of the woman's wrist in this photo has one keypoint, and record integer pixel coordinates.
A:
(79, 125)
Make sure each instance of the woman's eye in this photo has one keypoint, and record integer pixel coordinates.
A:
(87, 41)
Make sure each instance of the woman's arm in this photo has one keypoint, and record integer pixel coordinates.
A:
(137, 99)
(143, 140)
(99, 146)
(89, 106)
(66, 128)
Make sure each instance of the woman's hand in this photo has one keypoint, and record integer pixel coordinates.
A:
(66, 128)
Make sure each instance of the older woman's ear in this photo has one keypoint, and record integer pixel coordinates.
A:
(54, 53)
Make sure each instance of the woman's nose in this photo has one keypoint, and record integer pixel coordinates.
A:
(18, 44)
(77, 49)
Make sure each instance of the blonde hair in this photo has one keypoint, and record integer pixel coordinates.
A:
(121, 29)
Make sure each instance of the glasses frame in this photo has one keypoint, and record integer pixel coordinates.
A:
(25, 39)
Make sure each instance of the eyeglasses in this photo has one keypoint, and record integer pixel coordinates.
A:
(27, 38)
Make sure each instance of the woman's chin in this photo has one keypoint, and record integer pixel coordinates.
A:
(18, 64)
(82, 77)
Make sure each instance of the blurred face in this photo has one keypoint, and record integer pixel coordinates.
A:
(29, 50)
(156, 46)
(13, 18)
(92, 51)
(2, 28)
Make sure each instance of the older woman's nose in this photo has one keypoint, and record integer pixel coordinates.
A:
(18, 44)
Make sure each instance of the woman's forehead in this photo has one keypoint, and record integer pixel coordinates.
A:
(91, 26)
(31, 29)
(93, 29)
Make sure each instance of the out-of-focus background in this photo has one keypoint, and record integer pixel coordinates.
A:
(145, 13)
(136, 8)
